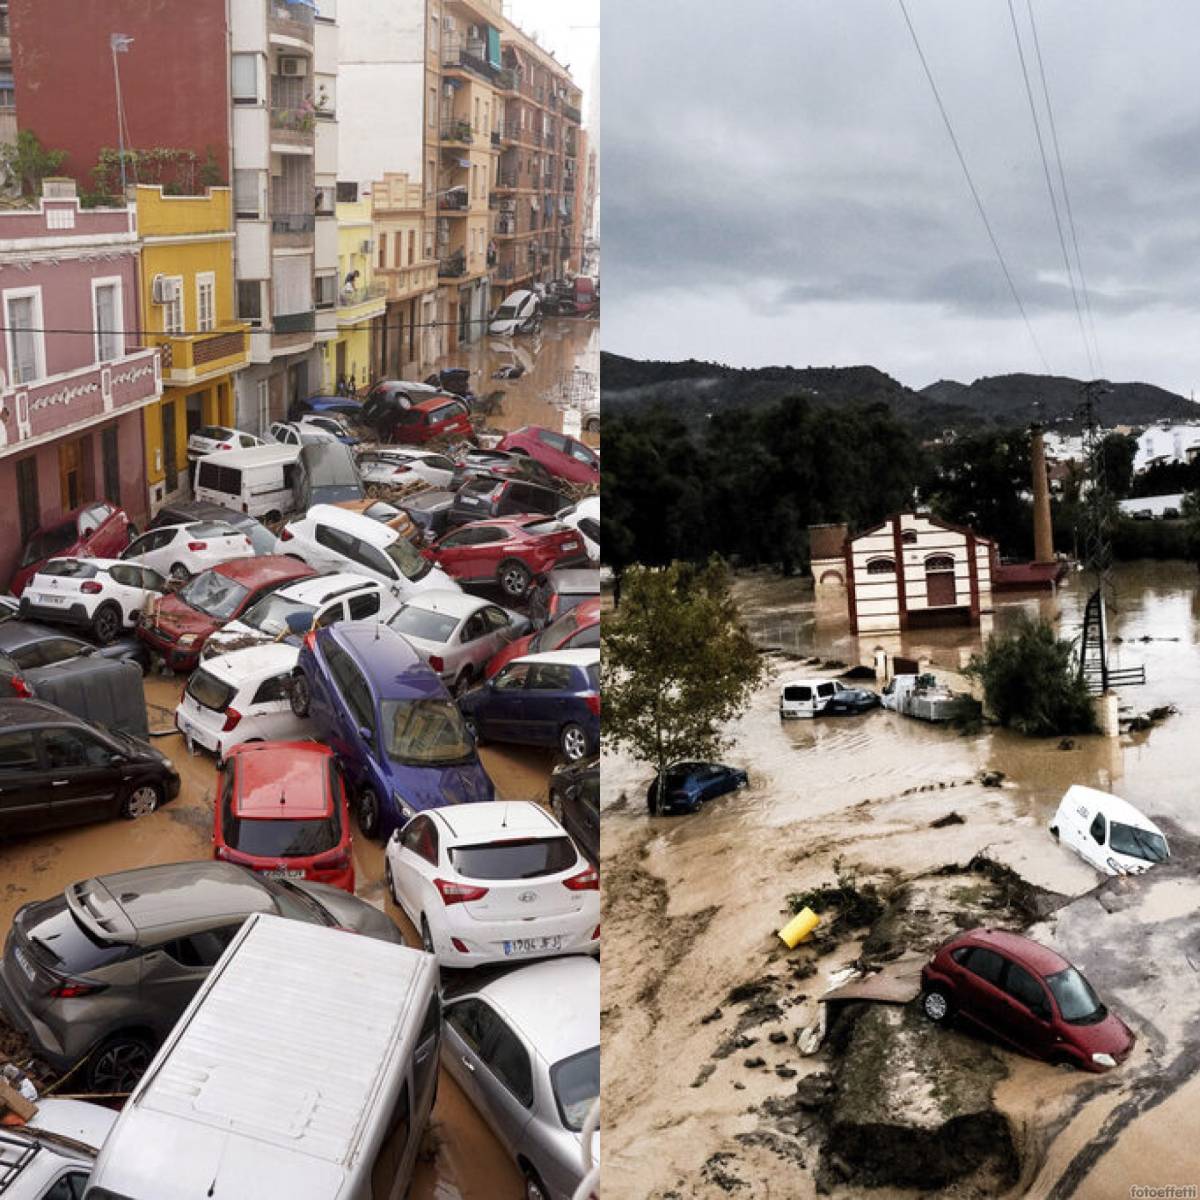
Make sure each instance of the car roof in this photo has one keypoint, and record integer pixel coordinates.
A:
(517, 297)
(263, 569)
(502, 818)
(367, 528)
(15, 634)
(387, 659)
(430, 498)
(587, 657)
(1113, 807)
(1033, 955)
(71, 516)
(239, 666)
(202, 510)
(17, 714)
(282, 780)
(253, 456)
(320, 588)
(450, 604)
(555, 1004)
(437, 401)
(808, 681)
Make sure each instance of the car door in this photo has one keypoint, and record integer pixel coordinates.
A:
(1029, 1012)
(24, 784)
(271, 708)
(362, 724)
(501, 713)
(505, 1080)
(547, 703)
(172, 971)
(453, 552)
(500, 630)
(588, 811)
(129, 589)
(84, 781)
(983, 973)
(418, 861)
(474, 641)
(152, 549)
(466, 1024)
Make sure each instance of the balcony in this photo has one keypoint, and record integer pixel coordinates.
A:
(75, 399)
(454, 199)
(452, 267)
(572, 114)
(301, 322)
(362, 303)
(293, 126)
(455, 130)
(293, 21)
(190, 359)
(507, 80)
(506, 225)
(506, 181)
(506, 271)
(293, 228)
(469, 55)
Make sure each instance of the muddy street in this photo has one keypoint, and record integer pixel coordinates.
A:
(692, 905)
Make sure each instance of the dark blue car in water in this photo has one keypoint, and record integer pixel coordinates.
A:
(687, 785)
(398, 736)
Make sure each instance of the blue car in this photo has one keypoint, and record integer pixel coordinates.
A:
(541, 700)
(338, 406)
(686, 785)
(401, 743)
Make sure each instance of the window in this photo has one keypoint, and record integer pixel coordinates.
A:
(939, 562)
(326, 200)
(106, 314)
(67, 748)
(28, 507)
(17, 750)
(273, 691)
(412, 246)
(172, 311)
(201, 949)
(909, 537)
(206, 310)
(1024, 988)
(369, 557)
(68, 1187)
(987, 964)
(512, 679)
(247, 194)
(26, 349)
(347, 191)
(508, 1060)
(383, 249)
(7, 96)
(363, 606)
(881, 566)
(250, 308)
(243, 78)
(1098, 829)
(431, 110)
(326, 291)
(420, 836)
(555, 441)
(550, 677)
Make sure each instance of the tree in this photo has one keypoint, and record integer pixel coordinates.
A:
(1031, 681)
(26, 162)
(1117, 452)
(678, 664)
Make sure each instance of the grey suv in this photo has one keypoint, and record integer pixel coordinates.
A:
(103, 971)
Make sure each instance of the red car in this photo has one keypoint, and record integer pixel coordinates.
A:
(94, 530)
(181, 623)
(283, 813)
(574, 630)
(566, 457)
(441, 416)
(508, 551)
(1026, 995)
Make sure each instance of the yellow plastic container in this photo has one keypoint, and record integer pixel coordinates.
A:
(799, 928)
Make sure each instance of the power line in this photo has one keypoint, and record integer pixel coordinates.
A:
(962, 162)
(1062, 179)
(1062, 241)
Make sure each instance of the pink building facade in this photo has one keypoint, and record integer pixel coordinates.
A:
(74, 374)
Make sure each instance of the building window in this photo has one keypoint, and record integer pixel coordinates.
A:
(909, 537)
(347, 191)
(206, 306)
(326, 291)
(106, 317)
(173, 309)
(412, 246)
(110, 453)
(7, 97)
(428, 244)
(383, 249)
(26, 346)
(249, 297)
(939, 562)
(397, 249)
(247, 194)
(881, 566)
(243, 78)
(28, 509)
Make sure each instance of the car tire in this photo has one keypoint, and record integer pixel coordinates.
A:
(141, 801)
(178, 574)
(937, 1005)
(107, 623)
(535, 1189)
(300, 695)
(514, 578)
(573, 743)
(118, 1063)
(426, 937)
(462, 685)
(366, 809)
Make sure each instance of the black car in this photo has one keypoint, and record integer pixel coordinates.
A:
(489, 496)
(687, 785)
(503, 463)
(848, 700)
(430, 511)
(31, 654)
(57, 770)
(559, 591)
(188, 511)
(575, 801)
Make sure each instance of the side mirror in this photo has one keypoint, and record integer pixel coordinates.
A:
(116, 760)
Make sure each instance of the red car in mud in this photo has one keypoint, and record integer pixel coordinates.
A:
(94, 530)
(577, 629)
(1026, 995)
(564, 456)
(440, 417)
(283, 813)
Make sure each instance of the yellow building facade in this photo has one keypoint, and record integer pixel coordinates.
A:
(187, 303)
(353, 354)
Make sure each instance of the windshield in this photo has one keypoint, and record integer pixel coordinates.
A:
(426, 733)
(270, 614)
(408, 559)
(214, 595)
(69, 568)
(1077, 1002)
(522, 858)
(1137, 843)
(48, 543)
(506, 312)
(554, 635)
(576, 1084)
(423, 624)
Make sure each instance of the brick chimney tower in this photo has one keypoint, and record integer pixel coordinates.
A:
(1043, 535)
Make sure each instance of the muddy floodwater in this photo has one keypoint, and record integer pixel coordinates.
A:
(692, 905)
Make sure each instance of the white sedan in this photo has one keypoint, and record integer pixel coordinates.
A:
(290, 433)
(210, 439)
(499, 882)
(585, 518)
(181, 551)
(104, 595)
(395, 466)
(457, 633)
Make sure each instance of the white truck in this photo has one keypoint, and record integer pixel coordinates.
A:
(921, 696)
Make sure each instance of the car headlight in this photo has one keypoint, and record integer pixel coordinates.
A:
(1116, 867)
(188, 639)
(405, 809)
(1104, 1060)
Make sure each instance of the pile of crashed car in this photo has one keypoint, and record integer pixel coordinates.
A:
(341, 658)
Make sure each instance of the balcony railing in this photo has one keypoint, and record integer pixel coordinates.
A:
(572, 114)
(452, 267)
(468, 54)
(506, 225)
(455, 130)
(375, 290)
(454, 201)
(301, 322)
(506, 80)
(188, 358)
(294, 120)
(506, 270)
(294, 222)
(507, 179)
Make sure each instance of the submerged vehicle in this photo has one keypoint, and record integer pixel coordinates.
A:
(921, 696)
(1108, 832)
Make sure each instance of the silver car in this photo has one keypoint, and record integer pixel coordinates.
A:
(525, 1047)
(395, 466)
(104, 970)
(457, 633)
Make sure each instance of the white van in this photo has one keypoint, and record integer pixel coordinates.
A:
(259, 481)
(305, 1067)
(521, 312)
(805, 697)
(1108, 832)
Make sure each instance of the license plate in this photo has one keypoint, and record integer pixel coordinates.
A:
(570, 545)
(23, 963)
(533, 945)
(283, 873)
(47, 598)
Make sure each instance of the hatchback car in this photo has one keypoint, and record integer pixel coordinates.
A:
(577, 629)
(495, 882)
(508, 552)
(541, 700)
(51, 1156)
(484, 496)
(181, 551)
(525, 1048)
(342, 406)
(97, 529)
(427, 420)
(477, 461)
(329, 423)
(1026, 995)
(211, 439)
(850, 700)
(187, 512)
(103, 970)
(457, 634)
(519, 312)
(57, 770)
(575, 801)
(282, 813)
(430, 511)
(386, 514)
(292, 433)
(687, 785)
(399, 738)
(391, 467)
(243, 696)
(179, 626)
(561, 455)
(104, 595)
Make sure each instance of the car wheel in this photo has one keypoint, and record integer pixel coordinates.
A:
(426, 937)
(367, 809)
(300, 694)
(936, 1005)
(514, 578)
(140, 802)
(535, 1189)
(462, 684)
(179, 574)
(573, 742)
(118, 1063)
(106, 624)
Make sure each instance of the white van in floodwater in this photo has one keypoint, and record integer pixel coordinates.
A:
(1108, 832)
(259, 481)
(805, 697)
(305, 1067)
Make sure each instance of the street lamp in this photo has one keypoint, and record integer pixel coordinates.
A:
(119, 43)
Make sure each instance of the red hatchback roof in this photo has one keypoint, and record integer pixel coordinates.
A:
(1041, 960)
(289, 780)
(427, 406)
(265, 569)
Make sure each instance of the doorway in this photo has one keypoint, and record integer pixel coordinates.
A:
(70, 473)
(170, 462)
(194, 417)
(940, 588)
(339, 363)
(297, 383)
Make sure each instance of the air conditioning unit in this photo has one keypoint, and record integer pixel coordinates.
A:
(164, 289)
(366, 246)
(293, 66)
(448, 91)
(448, 25)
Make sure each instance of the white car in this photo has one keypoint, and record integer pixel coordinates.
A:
(241, 697)
(104, 595)
(291, 433)
(457, 634)
(1108, 832)
(329, 538)
(181, 551)
(324, 600)
(51, 1157)
(396, 466)
(520, 312)
(585, 518)
(209, 439)
(498, 882)
(327, 423)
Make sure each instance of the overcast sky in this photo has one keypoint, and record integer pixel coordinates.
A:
(780, 188)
